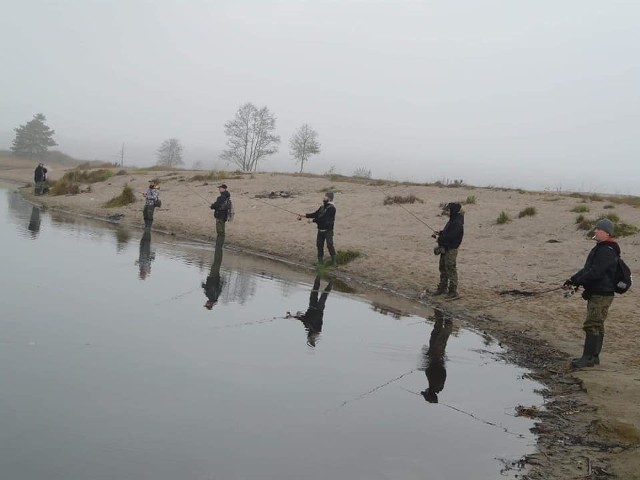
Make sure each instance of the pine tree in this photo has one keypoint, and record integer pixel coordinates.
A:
(34, 138)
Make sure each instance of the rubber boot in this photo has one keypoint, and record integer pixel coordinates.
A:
(453, 292)
(596, 356)
(588, 353)
(320, 261)
(441, 290)
(334, 261)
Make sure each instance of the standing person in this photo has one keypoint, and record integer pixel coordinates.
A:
(39, 177)
(449, 239)
(598, 277)
(325, 218)
(152, 200)
(221, 208)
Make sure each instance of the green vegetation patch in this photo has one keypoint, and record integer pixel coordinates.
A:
(503, 218)
(125, 198)
(582, 208)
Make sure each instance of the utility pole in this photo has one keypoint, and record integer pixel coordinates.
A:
(122, 155)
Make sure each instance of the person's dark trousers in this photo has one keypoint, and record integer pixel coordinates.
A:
(147, 214)
(220, 227)
(325, 235)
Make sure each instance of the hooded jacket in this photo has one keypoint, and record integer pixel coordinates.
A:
(40, 174)
(598, 276)
(324, 217)
(451, 235)
(221, 206)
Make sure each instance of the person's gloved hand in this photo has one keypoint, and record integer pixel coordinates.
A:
(567, 284)
(211, 206)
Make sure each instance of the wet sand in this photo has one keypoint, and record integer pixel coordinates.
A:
(592, 420)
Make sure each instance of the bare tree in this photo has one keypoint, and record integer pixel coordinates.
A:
(250, 137)
(303, 144)
(170, 153)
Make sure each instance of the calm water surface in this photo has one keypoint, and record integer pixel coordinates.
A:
(112, 367)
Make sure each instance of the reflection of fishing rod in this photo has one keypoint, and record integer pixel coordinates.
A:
(412, 214)
(469, 414)
(280, 208)
(533, 294)
(373, 390)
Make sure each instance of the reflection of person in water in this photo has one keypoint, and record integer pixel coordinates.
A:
(146, 255)
(312, 319)
(34, 222)
(213, 285)
(434, 364)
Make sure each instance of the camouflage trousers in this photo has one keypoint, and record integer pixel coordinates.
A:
(220, 227)
(147, 214)
(597, 311)
(448, 270)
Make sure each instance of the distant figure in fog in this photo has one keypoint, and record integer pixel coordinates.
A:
(312, 319)
(39, 178)
(434, 364)
(146, 255)
(213, 285)
(152, 200)
(34, 222)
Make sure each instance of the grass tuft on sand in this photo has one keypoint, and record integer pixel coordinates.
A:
(125, 198)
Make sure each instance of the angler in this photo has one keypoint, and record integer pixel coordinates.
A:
(325, 218)
(222, 209)
(598, 277)
(449, 239)
(152, 200)
(40, 178)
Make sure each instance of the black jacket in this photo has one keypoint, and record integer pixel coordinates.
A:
(451, 235)
(40, 174)
(221, 206)
(598, 276)
(324, 217)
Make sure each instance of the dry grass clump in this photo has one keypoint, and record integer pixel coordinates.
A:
(125, 198)
(399, 199)
(527, 212)
(582, 208)
(64, 186)
(88, 176)
(503, 218)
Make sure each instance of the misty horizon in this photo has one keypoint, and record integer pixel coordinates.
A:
(538, 96)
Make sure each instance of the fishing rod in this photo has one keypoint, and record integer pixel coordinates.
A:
(201, 196)
(373, 390)
(412, 214)
(279, 208)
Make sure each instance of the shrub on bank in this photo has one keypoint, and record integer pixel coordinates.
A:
(125, 198)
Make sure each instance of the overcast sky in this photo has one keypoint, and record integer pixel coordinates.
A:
(539, 94)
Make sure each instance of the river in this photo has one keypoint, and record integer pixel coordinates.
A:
(132, 356)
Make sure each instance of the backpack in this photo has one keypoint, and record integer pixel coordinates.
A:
(230, 210)
(623, 278)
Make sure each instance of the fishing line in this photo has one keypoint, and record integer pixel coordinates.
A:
(412, 214)
(278, 207)
(469, 414)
